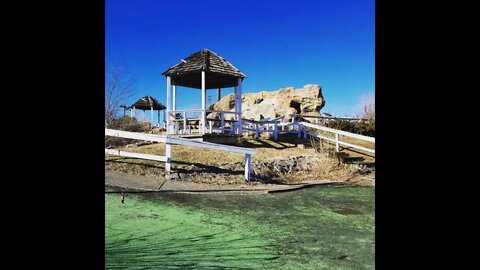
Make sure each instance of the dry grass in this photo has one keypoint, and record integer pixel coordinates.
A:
(135, 166)
(329, 169)
(266, 150)
(326, 168)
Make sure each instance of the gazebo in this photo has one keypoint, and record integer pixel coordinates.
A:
(204, 70)
(147, 103)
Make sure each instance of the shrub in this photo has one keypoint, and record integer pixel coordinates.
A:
(127, 124)
(366, 128)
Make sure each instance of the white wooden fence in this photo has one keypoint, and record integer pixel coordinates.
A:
(337, 137)
(222, 120)
(317, 119)
(183, 124)
(294, 127)
(168, 151)
(264, 125)
(276, 126)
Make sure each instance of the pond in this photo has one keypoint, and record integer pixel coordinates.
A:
(322, 227)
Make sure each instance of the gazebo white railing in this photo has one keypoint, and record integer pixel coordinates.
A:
(220, 123)
(181, 123)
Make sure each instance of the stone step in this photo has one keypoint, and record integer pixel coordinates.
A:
(341, 154)
(366, 170)
(368, 164)
(350, 159)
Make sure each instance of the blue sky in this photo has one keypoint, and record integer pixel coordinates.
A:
(276, 44)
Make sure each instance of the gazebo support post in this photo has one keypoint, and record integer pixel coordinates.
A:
(204, 105)
(134, 111)
(158, 118)
(151, 114)
(238, 107)
(174, 96)
(167, 127)
(164, 119)
(235, 117)
(174, 106)
(219, 94)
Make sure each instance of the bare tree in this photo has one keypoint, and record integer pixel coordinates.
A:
(119, 86)
(367, 105)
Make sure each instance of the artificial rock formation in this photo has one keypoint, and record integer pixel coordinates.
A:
(286, 101)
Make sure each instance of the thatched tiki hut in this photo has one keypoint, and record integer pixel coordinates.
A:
(204, 70)
(148, 103)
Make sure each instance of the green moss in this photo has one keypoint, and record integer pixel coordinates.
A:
(327, 227)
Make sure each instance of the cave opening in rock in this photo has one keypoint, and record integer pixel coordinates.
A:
(296, 105)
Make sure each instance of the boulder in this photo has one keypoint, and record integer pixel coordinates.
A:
(283, 102)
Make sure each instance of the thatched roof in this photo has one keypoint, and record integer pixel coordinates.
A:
(219, 73)
(146, 103)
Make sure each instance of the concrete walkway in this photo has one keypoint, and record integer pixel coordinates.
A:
(142, 183)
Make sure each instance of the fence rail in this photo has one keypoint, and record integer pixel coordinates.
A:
(134, 135)
(327, 117)
(213, 146)
(337, 137)
(264, 125)
(117, 152)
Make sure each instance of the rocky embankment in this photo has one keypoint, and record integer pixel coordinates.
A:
(281, 170)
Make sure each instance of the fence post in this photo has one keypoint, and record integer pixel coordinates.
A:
(240, 121)
(292, 121)
(168, 154)
(248, 161)
(299, 130)
(222, 121)
(275, 131)
(337, 148)
(283, 124)
(210, 126)
(305, 132)
(257, 131)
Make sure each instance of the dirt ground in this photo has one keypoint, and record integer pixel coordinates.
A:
(138, 183)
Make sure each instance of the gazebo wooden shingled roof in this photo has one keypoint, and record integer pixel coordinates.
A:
(147, 103)
(205, 70)
(220, 72)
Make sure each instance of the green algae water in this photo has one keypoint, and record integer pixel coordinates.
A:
(323, 227)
